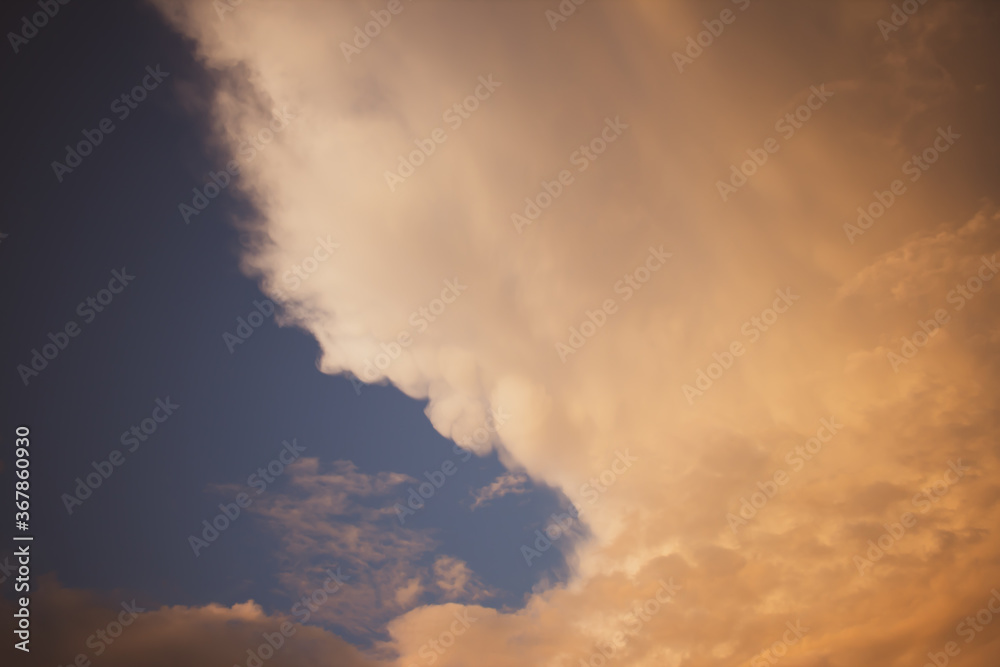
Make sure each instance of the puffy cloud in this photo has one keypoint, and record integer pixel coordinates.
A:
(117, 631)
(577, 204)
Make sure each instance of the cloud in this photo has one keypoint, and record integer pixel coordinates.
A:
(70, 622)
(336, 519)
(581, 275)
(510, 482)
(456, 580)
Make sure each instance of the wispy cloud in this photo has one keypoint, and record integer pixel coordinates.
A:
(337, 518)
(509, 482)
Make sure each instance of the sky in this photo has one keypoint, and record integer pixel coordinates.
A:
(498, 333)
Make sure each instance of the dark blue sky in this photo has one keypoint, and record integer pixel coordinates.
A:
(161, 337)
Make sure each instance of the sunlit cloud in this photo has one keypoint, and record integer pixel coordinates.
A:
(506, 484)
(440, 289)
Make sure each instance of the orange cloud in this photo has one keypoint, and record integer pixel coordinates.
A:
(496, 343)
